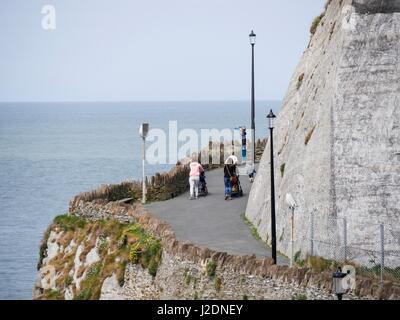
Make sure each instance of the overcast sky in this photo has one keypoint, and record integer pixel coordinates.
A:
(150, 49)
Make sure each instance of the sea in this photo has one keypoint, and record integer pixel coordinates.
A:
(51, 151)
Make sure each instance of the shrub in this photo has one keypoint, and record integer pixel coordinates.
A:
(218, 284)
(84, 295)
(53, 295)
(134, 253)
(300, 297)
(43, 249)
(316, 22)
(283, 165)
(211, 267)
(188, 278)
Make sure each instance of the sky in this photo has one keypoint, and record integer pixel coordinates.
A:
(139, 50)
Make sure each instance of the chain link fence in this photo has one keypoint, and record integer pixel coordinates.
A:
(372, 248)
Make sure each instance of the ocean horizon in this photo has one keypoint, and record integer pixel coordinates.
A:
(51, 151)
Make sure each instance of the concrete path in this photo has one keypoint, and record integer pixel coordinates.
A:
(213, 222)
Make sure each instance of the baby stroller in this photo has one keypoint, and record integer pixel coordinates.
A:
(203, 190)
(237, 190)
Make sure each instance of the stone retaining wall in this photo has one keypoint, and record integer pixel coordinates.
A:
(182, 258)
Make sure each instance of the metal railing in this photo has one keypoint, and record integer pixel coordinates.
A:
(373, 249)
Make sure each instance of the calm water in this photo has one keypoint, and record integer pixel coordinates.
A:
(51, 151)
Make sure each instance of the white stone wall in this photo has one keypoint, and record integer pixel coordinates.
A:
(348, 168)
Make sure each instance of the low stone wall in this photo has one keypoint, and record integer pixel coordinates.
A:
(161, 186)
(184, 262)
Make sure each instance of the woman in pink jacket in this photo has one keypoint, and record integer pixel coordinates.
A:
(194, 180)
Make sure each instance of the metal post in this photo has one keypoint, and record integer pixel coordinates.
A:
(144, 172)
(253, 106)
(382, 227)
(292, 238)
(345, 238)
(273, 221)
(312, 234)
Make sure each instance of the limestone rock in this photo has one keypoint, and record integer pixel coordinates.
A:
(337, 134)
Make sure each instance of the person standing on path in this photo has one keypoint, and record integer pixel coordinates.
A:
(229, 172)
(194, 179)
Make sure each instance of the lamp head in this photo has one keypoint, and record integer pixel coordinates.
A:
(271, 117)
(144, 130)
(252, 37)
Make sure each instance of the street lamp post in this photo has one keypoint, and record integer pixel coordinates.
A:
(271, 117)
(143, 131)
(252, 37)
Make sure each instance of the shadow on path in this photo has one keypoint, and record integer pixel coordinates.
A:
(213, 222)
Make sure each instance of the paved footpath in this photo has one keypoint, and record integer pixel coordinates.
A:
(213, 222)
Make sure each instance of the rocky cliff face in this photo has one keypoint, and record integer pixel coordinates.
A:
(110, 250)
(337, 136)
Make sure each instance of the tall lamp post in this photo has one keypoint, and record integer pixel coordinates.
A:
(252, 37)
(143, 131)
(271, 117)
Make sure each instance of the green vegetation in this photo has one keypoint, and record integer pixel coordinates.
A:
(43, 249)
(218, 284)
(389, 274)
(118, 192)
(282, 168)
(68, 281)
(316, 22)
(300, 81)
(117, 245)
(188, 278)
(53, 295)
(282, 234)
(317, 263)
(70, 222)
(211, 267)
(256, 235)
(297, 259)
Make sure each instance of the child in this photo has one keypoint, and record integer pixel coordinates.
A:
(251, 171)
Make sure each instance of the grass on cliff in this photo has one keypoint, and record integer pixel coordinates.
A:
(116, 244)
(316, 22)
